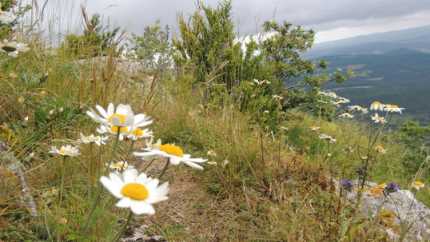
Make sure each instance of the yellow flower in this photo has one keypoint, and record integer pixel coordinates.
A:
(417, 185)
(380, 149)
(377, 190)
(387, 217)
(377, 106)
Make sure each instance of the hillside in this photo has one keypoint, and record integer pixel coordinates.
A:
(390, 66)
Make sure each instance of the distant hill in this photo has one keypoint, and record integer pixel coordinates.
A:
(415, 39)
(392, 67)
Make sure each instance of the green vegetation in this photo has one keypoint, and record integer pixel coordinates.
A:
(270, 175)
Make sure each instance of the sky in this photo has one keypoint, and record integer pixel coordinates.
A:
(331, 19)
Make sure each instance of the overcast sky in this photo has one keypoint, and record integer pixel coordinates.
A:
(332, 19)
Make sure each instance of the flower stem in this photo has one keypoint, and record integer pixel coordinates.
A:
(124, 227)
(166, 166)
(63, 168)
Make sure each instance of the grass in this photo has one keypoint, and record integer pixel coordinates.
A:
(271, 188)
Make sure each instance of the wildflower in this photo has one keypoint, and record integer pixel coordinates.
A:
(391, 188)
(139, 133)
(417, 185)
(92, 139)
(212, 163)
(328, 94)
(315, 128)
(225, 163)
(377, 106)
(174, 153)
(380, 149)
(120, 166)
(358, 108)
(65, 150)
(135, 191)
(277, 97)
(118, 120)
(21, 100)
(378, 190)
(391, 108)
(341, 100)
(346, 115)
(212, 153)
(328, 138)
(51, 112)
(378, 119)
(346, 184)
(387, 217)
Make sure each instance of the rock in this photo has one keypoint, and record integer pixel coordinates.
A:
(411, 216)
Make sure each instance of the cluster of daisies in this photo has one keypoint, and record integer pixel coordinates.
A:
(134, 189)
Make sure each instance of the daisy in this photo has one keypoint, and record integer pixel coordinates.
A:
(92, 139)
(119, 166)
(377, 106)
(65, 150)
(346, 115)
(174, 153)
(135, 191)
(378, 119)
(139, 133)
(391, 108)
(315, 128)
(118, 120)
(417, 185)
(328, 138)
(358, 108)
(380, 149)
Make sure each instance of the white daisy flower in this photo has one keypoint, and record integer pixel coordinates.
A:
(139, 133)
(174, 153)
(135, 191)
(120, 119)
(346, 115)
(391, 108)
(119, 166)
(377, 106)
(93, 139)
(358, 108)
(378, 119)
(65, 150)
(328, 138)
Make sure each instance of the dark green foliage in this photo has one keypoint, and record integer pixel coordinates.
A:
(97, 39)
(416, 138)
(153, 48)
(210, 48)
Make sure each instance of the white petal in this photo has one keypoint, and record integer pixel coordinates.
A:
(111, 109)
(193, 165)
(174, 160)
(111, 186)
(124, 203)
(142, 178)
(130, 175)
(102, 111)
(139, 208)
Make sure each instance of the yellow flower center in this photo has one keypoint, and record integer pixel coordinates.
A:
(135, 191)
(117, 118)
(172, 150)
(138, 132)
(62, 151)
(116, 129)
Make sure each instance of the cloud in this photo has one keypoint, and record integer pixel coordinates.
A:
(321, 15)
